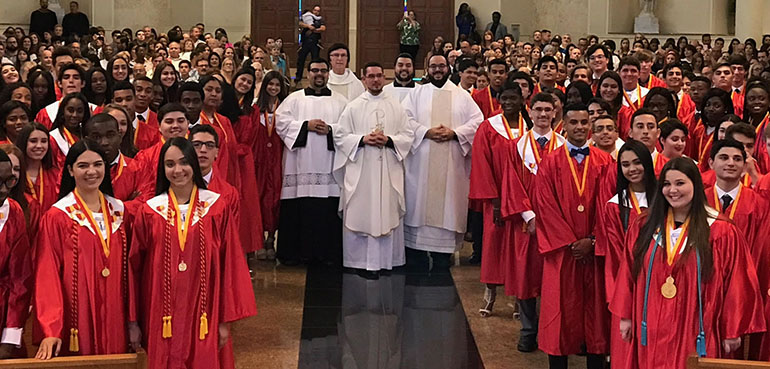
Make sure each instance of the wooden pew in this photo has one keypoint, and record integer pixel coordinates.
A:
(695, 362)
(122, 361)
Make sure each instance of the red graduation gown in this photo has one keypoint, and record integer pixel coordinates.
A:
(146, 162)
(685, 109)
(147, 133)
(624, 122)
(101, 301)
(268, 155)
(16, 266)
(731, 300)
(750, 217)
(126, 180)
(526, 244)
(610, 244)
(229, 294)
(51, 184)
(489, 105)
(653, 81)
(573, 308)
(760, 146)
(737, 102)
(237, 162)
(703, 143)
(493, 177)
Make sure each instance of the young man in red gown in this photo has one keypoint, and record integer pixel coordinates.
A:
(573, 311)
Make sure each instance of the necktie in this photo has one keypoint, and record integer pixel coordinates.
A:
(584, 151)
(726, 201)
(542, 141)
(140, 117)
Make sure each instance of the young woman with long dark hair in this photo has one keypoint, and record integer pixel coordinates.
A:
(186, 256)
(268, 153)
(81, 288)
(609, 89)
(687, 283)
(65, 130)
(42, 175)
(635, 189)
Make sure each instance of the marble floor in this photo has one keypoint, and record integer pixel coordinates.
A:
(316, 318)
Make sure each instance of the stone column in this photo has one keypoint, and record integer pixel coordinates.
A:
(749, 18)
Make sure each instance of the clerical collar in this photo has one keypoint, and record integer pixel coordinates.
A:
(440, 83)
(733, 193)
(207, 177)
(324, 92)
(411, 84)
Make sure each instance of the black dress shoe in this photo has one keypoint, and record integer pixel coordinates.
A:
(527, 345)
(475, 259)
(368, 274)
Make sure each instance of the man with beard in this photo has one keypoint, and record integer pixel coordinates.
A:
(310, 227)
(42, 20)
(372, 139)
(605, 135)
(437, 181)
(404, 83)
(486, 99)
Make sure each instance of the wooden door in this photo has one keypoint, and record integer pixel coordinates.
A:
(335, 14)
(276, 19)
(378, 38)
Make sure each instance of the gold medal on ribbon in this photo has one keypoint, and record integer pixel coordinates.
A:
(182, 267)
(668, 289)
(105, 272)
(581, 208)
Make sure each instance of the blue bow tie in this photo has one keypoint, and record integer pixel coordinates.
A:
(584, 151)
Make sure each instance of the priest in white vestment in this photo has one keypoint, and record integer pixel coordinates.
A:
(372, 140)
(310, 226)
(341, 78)
(438, 166)
(404, 81)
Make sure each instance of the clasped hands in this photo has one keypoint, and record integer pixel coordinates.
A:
(318, 126)
(376, 138)
(440, 134)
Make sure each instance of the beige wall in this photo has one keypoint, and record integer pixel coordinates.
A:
(160, 14)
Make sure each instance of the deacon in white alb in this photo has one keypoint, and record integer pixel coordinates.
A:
(372, 140)
(310, 226)
(438, 167)
(341, 79)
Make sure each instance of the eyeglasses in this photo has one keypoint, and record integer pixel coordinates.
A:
(209, 144)
(609, 129)
(9, 183)
(317, 70)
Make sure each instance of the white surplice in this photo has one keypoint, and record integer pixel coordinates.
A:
(398, 91)
(307, 170)
(372, 180)
(346, 84)
(438, 174)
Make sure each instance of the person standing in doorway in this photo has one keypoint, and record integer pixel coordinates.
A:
(311, 27)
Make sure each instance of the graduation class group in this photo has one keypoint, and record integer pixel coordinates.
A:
(620, 194)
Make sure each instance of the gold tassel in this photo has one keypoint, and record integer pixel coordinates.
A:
(167, 326)
(204, 327)
(74, 344)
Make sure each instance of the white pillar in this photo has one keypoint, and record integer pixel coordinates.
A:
(749, 16)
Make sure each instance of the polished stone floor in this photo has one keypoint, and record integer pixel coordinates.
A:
(314, 318)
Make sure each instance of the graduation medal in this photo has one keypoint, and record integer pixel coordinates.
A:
(581, 187)
(105, 239)
(182, 233)
(105, 272)
(668, 289)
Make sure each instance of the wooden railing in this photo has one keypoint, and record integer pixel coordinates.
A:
(122, 361)
(695, 362)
